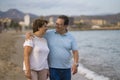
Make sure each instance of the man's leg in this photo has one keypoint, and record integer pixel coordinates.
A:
(65, 74)
(54, 75)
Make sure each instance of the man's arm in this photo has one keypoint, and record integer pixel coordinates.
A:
(75, 63)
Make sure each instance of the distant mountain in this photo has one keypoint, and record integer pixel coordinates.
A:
(1, 12)
(112, 18)
(15, 14)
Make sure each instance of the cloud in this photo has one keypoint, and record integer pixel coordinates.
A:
(63, 6)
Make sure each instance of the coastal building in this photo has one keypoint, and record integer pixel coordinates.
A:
(98, 22)
(51, 22)
(71, 20)
(95, 27)
(5, 23)
(25, 23)
(27, 20)
(21, 23)
(6, 20)
(118, 24)
(83, 21)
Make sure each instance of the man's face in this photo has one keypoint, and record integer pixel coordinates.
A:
(60, 25)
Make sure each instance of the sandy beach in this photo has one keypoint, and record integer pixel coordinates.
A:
(11, 57)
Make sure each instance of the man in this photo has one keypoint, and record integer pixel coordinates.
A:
(60, 43)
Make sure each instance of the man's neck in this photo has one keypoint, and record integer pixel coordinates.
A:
(62, 32)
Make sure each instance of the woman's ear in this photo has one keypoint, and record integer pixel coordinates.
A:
(38, 28)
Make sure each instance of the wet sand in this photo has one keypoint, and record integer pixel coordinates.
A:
(11, 57)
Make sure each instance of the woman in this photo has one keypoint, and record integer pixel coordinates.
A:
(36, 53)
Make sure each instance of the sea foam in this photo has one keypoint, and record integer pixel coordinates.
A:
(90, 74)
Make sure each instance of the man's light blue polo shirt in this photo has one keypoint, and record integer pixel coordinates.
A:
(60, 49)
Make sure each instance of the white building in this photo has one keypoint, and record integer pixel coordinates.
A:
(27, 20)
(51, 23)
(95, 27)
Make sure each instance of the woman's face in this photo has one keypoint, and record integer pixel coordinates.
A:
(44, 28)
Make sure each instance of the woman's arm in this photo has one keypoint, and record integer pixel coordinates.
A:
(27, 52)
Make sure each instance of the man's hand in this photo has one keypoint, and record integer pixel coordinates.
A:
(74, 69)
(75, 64)
(29, 35)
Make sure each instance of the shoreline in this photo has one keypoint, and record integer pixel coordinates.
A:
(90, 29)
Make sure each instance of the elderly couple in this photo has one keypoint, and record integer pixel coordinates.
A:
(49, 53)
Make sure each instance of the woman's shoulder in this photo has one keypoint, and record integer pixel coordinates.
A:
(28, 42)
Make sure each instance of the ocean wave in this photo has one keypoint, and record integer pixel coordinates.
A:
(90, 74)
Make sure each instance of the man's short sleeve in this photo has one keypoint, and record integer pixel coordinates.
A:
(74, 44)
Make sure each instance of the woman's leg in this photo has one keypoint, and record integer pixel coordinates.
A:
(42, 74)
(34, 75)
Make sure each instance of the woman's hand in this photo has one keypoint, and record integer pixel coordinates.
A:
(28, 74)
(48, 74)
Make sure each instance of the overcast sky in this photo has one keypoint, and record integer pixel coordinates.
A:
(67, 7)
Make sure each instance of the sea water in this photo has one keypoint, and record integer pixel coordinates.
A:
(99, 53)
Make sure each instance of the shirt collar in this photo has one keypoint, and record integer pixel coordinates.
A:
(65, 34)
